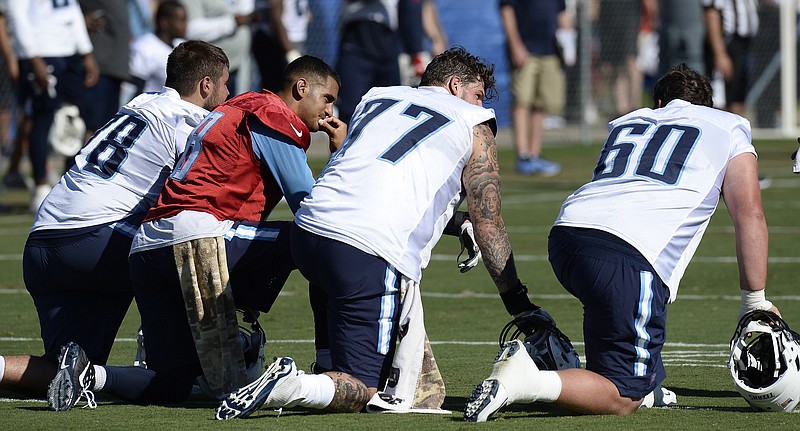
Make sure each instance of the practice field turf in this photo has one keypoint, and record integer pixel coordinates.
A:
(464, 316)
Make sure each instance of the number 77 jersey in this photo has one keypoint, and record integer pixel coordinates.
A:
(658, 181)
(396, 180)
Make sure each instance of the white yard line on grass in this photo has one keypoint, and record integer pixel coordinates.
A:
(473, 295)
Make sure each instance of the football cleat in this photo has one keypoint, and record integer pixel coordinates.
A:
(270, 390)
(506, 385)
(489, 397)
(72, 381)
(660, 397)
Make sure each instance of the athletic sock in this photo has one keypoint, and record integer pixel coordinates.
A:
(550, 386)
(99, 378)
(314, 391)
(2, 367)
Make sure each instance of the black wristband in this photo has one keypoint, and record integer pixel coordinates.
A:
(516, 301)
(453, 227)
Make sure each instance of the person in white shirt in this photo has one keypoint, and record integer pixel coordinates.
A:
(279, 37)
(366, 230)
(149, 52)
(226, 24)
(75, 261)
(622, 242)
(56, 66)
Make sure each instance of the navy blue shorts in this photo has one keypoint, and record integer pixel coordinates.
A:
(78, 280)
(100, 102)
(367, 58)
(360, 293)
(624, 305)
(259, 263)
(69, 73)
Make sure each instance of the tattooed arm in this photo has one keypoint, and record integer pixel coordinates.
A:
(351, 394)
(481, 180)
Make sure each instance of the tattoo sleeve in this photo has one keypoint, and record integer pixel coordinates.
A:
(351, 394)
(481, 179)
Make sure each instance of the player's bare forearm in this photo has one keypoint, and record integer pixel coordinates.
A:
(351, 394)
(743, 199)
(481, 179)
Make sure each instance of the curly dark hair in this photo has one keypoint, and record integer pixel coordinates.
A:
(190, 62)
(682, 82)
(457, 61)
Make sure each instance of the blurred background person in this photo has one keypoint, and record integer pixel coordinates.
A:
(226, 24)
(56, 65)
(432, 26)
(149, 52)
(434, 43)
(279, 37)
(13, 142)
(141, 14)
(109, 30)
(533, 30)
(9, 72)
(618, 25)
(373, 34)
(681, 35)
(731, 26)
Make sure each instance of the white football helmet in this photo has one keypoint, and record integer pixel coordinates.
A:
(765, 362)
(68, 132)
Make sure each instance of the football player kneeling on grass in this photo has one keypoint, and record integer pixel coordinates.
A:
(365, 232)
(621, 244)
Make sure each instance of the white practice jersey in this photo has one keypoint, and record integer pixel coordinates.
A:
(295, 19)
(148, 60)
(120, 172)
(396, 181)
(47, 28)
(658, 181)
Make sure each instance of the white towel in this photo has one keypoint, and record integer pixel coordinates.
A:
(415, 384)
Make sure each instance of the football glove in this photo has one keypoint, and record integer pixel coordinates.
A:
(467, 239)
(796, 165)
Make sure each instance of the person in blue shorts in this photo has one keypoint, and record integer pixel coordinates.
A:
(207, 243)
(75, 261)
(622, 242)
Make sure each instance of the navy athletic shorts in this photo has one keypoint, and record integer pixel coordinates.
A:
(624, 303)
(78, 279)
(258, 261)
(362, 293)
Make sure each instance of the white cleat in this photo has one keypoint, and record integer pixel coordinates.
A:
(513, 367)
(266, 391)
(660, 397)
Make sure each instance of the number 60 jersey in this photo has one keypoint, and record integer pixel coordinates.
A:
(395, 182)
(118, 175)
(658, 181)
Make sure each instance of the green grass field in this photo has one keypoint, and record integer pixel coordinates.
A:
(464, 318)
